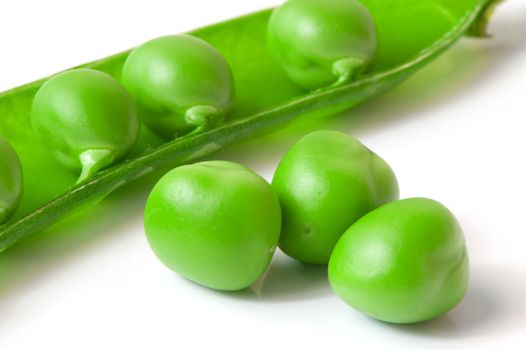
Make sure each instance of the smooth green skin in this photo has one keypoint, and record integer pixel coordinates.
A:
(216, 223)
(181, 82)
(405, 262)
(320, 43)
(10, 180)
(87, 118)
(326, 182)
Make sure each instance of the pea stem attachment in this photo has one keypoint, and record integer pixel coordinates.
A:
(346, 69)
(479, 27)
(201, 117)
(94, 160)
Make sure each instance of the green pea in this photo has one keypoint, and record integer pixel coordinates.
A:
(181, 83)
(326, 182)
(87, 118)
(10, 180)
(322, 42)
(216, 223)
(404, 262)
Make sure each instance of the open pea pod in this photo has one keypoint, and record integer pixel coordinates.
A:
(410, 34)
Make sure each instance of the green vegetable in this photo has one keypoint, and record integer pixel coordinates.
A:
(10, 180)
(404, 262)
(326, 182)
(182, 82)
(216, 223)
(408, 38)
(87, 119)
(322, 42)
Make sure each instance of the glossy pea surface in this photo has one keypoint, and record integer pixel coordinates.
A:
(404, 262)
(10, 180)
(320, 43)
(87, 118)
(216, 223)
(326, 182)
(181, 83)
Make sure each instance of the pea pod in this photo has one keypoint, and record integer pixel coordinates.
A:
(10, 180)
(266, 99)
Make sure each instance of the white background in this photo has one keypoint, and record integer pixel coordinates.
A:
(454, 132)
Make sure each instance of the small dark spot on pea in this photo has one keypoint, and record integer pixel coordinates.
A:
(307, 231)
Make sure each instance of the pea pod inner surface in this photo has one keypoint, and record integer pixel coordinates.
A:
(10, 181)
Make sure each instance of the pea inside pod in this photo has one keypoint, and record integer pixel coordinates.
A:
(320, 43)
(10, 180)
(87, 118)
(325, 182)
(181, 84)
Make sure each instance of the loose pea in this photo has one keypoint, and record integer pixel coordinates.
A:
(10, 180)
(181, 83)
(87, 118)
(322, 42)
(216, 223)
(404, 262)
(326, 182)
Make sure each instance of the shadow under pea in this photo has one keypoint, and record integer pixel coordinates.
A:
(287, 280)
(493, 307)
